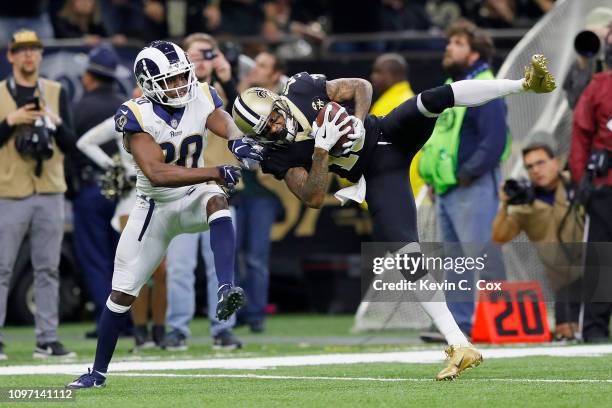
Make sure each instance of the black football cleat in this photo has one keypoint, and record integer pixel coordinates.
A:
(231, 298)
(91, 379)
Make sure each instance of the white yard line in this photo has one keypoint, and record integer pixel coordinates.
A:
(254, 363)
(374, 379)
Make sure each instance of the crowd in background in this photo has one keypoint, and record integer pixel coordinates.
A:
(271, 20)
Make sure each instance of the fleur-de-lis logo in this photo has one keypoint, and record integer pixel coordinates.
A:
(318, 104)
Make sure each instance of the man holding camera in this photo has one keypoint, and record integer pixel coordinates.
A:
(35, 132)
(542, 209)
(590, 163)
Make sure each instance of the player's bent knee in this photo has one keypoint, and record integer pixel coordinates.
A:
(215, 204)
(219, 214)
(119, 302)
(437, 99)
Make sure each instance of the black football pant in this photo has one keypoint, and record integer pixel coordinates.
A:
(596, 319)
(389, 194)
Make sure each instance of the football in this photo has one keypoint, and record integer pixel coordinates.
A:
(337, 149)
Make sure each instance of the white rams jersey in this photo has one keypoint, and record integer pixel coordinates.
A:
(180, 133)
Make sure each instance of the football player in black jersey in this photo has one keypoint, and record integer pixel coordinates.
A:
(378, 153)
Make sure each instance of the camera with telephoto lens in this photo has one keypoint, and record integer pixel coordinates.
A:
(36, 140)
(519, 191)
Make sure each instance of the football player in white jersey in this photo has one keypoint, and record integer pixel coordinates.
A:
(165, 131)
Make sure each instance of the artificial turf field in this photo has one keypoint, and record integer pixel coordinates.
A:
(538, 381)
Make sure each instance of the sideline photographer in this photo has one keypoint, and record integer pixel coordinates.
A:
(35, 132)
(541, 208)
(590, 54)
(590, 163)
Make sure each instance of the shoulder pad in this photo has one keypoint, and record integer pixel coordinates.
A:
(128, 118)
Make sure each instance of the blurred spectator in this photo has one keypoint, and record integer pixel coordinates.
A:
(290, 38)
(211, 65)
(182, 255)
(80, 19)
(346, 17)
(461, 162)
(400, 15)
(548, 218)
(390, 83)
(24, 14)
(123, 19)
(155, 24)
(266, 73)
(512, 13)
(257, 207)
(35, 133)
(590, 164)
(277, 21)
(307, 18)
(143, 19)
(95, 240)
(234, 17)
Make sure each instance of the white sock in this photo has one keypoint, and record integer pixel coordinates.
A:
(478, 92)
(435, 305)
(444, 321)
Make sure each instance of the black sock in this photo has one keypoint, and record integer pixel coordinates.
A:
(110, 325)
(223, 245)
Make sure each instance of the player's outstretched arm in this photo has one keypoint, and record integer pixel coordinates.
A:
(221, 124)
(310, 187)
(346, 89)
(151, 160)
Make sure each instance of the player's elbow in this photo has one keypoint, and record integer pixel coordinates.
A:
(81, 144)
(315, 200)
(157, 178)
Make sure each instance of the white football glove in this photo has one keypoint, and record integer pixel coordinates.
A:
(358, 134)
(329, 133)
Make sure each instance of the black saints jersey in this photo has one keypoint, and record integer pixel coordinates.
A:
(306, 94)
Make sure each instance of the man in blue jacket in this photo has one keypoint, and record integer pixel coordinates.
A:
(465, 173)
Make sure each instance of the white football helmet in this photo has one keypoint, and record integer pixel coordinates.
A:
(156, 64)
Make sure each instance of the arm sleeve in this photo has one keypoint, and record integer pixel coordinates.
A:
(231, 93)
(65, 136)
(277, 161)
(491, 124)
(90, 142)
(583, 131)
(5, 132)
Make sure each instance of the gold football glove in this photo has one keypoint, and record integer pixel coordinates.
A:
(537, 77)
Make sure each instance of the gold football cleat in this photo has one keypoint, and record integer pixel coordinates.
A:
(537, 77)
(460, 358)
